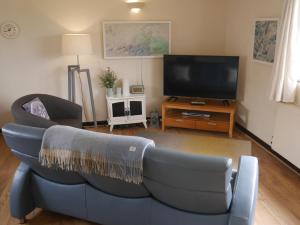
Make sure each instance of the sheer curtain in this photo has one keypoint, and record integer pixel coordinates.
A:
(286, 69)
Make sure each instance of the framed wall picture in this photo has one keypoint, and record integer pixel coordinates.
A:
(265, 37)
(136, 39)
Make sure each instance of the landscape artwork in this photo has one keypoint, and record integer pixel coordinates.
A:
(136, 39)
(265, 40)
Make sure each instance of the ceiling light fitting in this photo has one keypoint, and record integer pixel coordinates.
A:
(135, 7)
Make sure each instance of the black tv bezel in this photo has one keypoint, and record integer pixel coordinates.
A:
(200, 97)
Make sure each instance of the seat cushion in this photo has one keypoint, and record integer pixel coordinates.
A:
(69, 122)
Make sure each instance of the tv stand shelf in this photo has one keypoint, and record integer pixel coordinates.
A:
(221, 115)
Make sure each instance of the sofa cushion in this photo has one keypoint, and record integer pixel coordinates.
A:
(116, 187)
(190, 182)
(37, 108)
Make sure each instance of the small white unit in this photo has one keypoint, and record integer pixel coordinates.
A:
(126, 110)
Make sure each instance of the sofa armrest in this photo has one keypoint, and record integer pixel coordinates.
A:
(245, 192)
(25, 118)
(21, 199)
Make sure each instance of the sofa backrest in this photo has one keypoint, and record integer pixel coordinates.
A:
(25, 142)
(194, 183)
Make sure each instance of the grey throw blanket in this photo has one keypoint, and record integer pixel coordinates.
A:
(115, 156)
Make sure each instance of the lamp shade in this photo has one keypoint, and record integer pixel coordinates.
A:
(76, 44)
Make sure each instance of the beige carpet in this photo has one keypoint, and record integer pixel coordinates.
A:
(201, 144)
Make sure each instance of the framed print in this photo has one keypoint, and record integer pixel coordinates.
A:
(265, 37)
(136, 39)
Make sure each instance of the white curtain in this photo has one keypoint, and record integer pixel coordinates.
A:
(286, 69)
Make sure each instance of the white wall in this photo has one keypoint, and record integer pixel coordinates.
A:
(275, 123)
(256, 111)
(33, 62)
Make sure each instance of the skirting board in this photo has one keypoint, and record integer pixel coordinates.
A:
(268, 148)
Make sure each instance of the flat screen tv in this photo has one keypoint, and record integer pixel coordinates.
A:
(209, 77)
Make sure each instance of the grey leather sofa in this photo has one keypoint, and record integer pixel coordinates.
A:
(60, 111)
(178, 188)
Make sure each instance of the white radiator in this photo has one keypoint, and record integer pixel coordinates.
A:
(286, 139)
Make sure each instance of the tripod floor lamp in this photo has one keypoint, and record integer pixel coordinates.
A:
(78, 44)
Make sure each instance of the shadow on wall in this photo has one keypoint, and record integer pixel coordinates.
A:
(298, 95)
(242, 115)
(242, 78)
(50, 46)
(49, 49)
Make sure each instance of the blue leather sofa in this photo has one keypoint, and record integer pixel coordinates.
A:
(178, 188)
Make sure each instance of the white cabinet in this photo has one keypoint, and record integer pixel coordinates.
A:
(126, 110)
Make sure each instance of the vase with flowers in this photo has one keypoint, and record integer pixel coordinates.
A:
(108, 80)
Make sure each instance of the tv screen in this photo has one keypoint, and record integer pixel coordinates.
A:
(213, 77)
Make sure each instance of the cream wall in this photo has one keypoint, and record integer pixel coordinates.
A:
(275, 123)
(256, 111)
(33, 62)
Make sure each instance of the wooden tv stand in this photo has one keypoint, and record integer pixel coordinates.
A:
(221, 115)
